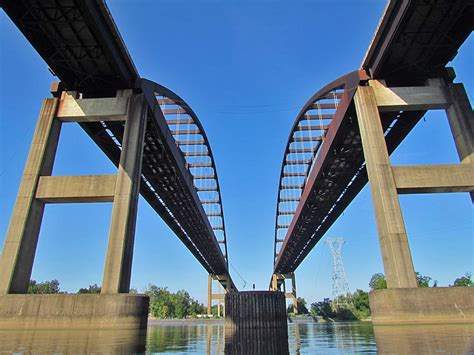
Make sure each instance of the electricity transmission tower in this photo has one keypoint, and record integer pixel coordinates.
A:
(339, 282)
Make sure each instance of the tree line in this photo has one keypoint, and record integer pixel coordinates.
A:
(166, 304)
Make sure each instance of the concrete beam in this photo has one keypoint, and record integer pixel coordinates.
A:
(16, 261)
(461, 121)
(417, 98)
(396, 254)
(118, 263)
(74, 189)
(434, 178)
(92, 110)
(218, 296)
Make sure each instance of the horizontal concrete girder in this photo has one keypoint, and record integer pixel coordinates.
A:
(71, 109)
(434, 178)
(74, 189)
(417, 98)
(218, 296)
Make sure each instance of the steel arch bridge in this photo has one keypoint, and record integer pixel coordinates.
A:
(313, 131)
(83, 47)
(323, 167)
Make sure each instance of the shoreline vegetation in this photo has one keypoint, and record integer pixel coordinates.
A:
(175, 308)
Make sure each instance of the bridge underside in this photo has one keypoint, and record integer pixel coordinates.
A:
(413, 43)
(82, 46)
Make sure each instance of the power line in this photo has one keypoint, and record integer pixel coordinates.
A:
(244, 282)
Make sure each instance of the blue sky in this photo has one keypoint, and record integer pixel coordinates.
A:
(246, 68)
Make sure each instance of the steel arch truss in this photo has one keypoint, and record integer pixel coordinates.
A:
(310, 138)
(193, 143)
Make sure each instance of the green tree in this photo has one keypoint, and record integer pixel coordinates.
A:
(181, 301)
(378, 282)
(322, 309)
(350, 307)
(45, 287)
(464, 281)
(165, 304)
(91, 289)
(195, 308)
(423, 281)
(300, 306)
(360, 301)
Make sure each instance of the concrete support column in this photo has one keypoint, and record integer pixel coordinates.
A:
(396, 254)
(209, 294)
(461, 121)
(118, 264)
(16, 262)
(293, 292)
(274, 286)
(218, 302)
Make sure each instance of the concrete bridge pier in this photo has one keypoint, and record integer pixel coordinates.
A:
(279, 284)
(219, 296)
(114, 307)
(403, 302)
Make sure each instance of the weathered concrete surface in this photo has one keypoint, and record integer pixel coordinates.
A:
(396, 255)
(98, 311)
(16, 260)
(256, 323)
(118, 262)
(76, 189)
(439, 305)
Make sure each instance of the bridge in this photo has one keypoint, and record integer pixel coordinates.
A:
(150, 133)
(341, 139)
(344, 134)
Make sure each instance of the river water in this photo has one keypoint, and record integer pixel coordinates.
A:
(303, 338)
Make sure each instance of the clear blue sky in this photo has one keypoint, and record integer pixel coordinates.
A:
(246, 68)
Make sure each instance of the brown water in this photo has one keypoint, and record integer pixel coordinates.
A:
(304, 338)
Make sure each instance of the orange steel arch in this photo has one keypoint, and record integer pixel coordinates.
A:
(317, 121)
(193, 143)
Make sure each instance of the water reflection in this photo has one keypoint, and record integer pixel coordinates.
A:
(186, 338)
(323, 338)
(72, 341)
(273, 340)
(208, 338)
(428, 339)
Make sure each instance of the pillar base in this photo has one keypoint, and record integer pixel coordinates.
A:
(439, 305)
(97, 311)
(256, 323)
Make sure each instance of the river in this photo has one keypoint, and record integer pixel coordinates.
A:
(198, 338)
